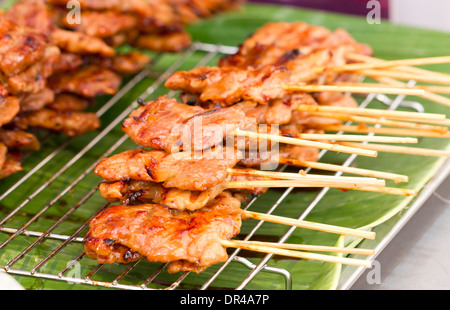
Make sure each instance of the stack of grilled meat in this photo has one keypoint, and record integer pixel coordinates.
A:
(176, 204)
(54, 64)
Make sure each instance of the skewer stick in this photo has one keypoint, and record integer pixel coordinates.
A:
(311, 225)
(364, 58)
(299, 184)
(301, 142)
(360, 138)
(338, 168)
(382, 121)
(401, 149)
(372, 112)
(384, 190)
(297, 254)
(312, 248)
(428, 94)
(384, 131)
(432, 88)
(355, 89)
(406, 76)
(338, 183)
(388, 64)
(308, 177)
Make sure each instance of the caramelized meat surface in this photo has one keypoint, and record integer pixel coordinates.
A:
(19, 140)
(172, 126)
(89, 81)
(80, 43)
(9, 106)
(69, 123)
(190, 240)
(137, 192)
(20, 46)
(184, 170)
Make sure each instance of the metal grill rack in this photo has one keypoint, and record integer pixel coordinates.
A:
(18, 223)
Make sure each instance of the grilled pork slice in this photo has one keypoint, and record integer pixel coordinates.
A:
(68, 102)
(68, 123)
(9, 106)
(190, 241)
(12, 164)
(277, 40)
(80, 43)
(89, 81)
(34, 78)
(196, 171)
(169, 42)
(137, 192)
(19, 140)
(37, 101)
(20, 46)
(172, 126)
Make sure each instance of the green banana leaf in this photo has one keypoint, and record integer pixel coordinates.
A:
(349, 209)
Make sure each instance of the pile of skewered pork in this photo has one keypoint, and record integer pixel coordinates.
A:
(53, 67)
(181, 190)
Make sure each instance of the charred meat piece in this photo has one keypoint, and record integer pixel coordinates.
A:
(172, 126)
(191, 241)
(169, 42)
(69, 123)
(277, 54)
(137, 192)
(124, 64)
(12, 164)
(284, 40)
(33, 14)
(229, 85)
(90, 81)
(196, 171)
(80, 43)
(20, 46)
(34, 78)
(9, 106)
(37, 101)
(68, 102)
(102, 23)
(19, 140)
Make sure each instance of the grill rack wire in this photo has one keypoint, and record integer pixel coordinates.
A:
(211, 51)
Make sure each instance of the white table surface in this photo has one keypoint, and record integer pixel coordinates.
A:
(419, 255)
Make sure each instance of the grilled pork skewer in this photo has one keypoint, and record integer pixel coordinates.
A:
(188, 241)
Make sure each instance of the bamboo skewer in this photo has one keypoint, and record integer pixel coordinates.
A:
(428, 94)
(301, 142)
(384, 190)
(308, 178)
(406, 76)
(355, 89)
(385, 82)
(339, 183)
(360, 138)
(401, 149)
(383, 130)
(338, 168)
(311, 225)
(373, 112)
(297, 254)
(382, 121)
(387, 64)
(321, 184)
(364, 58)
(312, 248)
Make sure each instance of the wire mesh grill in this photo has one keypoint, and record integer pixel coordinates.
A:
(62, 199)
